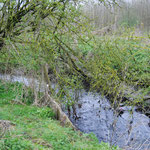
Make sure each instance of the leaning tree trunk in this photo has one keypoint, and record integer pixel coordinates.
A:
(46, 78)
(1, 43)
(60, 115)
(49, 101)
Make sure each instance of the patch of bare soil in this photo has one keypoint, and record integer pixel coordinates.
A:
(5, 125)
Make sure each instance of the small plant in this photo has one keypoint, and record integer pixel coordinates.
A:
(45, 113)
(15, 144)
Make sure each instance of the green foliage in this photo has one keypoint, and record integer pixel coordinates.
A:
(45, 113)
(115, 61)
(57, 34)
(35, 129)
(8, 91)
(35, 33)
(15, 91)
(15, 144)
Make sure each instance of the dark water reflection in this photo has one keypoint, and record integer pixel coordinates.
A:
(95, 114)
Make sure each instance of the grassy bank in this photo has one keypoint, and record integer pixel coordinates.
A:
(35, 128)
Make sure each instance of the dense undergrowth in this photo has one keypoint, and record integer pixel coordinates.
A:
(56, 34)
(117, 61)
(110, 64)
(36, 128)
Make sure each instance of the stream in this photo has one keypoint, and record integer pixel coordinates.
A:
(130, 131)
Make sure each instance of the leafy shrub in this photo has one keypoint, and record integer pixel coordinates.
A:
(28, 95)
(45, 113)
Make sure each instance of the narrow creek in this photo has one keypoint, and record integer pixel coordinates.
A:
(95, 114)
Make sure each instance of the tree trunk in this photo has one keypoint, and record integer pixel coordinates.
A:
(60, 115)
(1, 43)
(46, 78)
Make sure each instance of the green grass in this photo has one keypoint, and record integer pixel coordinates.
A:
(36, 128)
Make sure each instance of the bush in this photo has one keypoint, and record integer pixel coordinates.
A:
(45, 113)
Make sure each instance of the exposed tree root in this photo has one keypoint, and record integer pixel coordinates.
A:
(60, 115)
